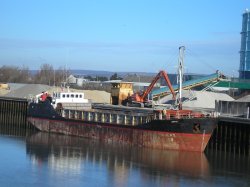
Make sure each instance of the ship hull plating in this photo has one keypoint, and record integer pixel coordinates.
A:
(168, 135)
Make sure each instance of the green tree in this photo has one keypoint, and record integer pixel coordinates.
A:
(101, 78)
(115, 77)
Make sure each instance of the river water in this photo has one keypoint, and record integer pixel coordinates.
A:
(42, 159)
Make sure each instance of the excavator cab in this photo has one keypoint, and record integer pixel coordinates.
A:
(135, 101)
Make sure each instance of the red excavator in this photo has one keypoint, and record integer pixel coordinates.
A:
(140, 99)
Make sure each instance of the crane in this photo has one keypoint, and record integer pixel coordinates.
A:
(141, 99)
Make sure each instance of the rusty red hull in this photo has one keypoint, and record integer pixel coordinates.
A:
(129, 135)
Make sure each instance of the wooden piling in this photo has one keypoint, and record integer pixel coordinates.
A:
(13, 113)
(231, 137)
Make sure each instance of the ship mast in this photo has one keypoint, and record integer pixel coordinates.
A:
(180, 75)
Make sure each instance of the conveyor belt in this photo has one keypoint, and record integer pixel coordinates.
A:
(188, 84)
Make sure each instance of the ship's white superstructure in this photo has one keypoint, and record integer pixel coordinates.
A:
(68, 97)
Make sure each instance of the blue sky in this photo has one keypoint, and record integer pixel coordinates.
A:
(122, 35)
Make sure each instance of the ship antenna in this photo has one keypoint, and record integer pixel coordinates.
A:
(180, 74)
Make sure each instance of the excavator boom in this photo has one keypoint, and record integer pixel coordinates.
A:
(157, 77)
(139, 100)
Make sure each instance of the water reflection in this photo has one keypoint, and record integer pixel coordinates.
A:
(70, 154)
(58, 160)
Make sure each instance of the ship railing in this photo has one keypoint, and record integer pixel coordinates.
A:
(121, 118)
(103, 117)
(169, 115)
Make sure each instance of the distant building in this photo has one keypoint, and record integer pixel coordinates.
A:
(244, 71)
(71, 79)
(77, 80)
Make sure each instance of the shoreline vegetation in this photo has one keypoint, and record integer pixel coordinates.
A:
(45, 75)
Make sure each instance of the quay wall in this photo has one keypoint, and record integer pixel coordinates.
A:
(233, 131)
(13, 113)
(231, 136)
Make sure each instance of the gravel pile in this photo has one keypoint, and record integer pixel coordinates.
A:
(31, 90)
(245, 98)
(198, 99)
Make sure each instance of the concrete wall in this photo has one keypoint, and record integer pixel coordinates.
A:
(233, 108)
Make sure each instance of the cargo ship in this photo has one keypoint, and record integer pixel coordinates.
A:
(161, 128)
(184, 130)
